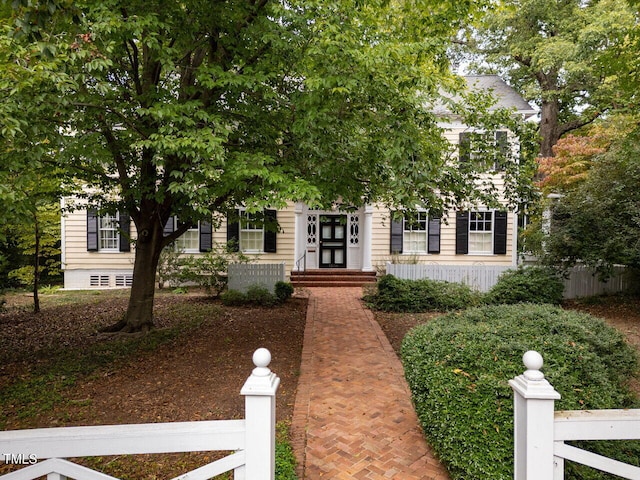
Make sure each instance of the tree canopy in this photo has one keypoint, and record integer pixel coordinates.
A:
(563, 56)
(192, 108)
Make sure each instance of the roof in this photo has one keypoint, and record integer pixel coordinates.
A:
(506, 96)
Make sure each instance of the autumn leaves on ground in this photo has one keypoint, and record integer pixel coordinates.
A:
(190, 368)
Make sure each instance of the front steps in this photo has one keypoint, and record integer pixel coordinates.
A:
(332, 278)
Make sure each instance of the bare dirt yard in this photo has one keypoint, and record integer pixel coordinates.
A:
(191, 367)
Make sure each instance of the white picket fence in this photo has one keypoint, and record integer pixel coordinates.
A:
(244, 275)
(252, 440)
(540, 433)
(582, 281)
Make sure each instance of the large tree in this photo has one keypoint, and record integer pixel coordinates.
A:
(192, 108)
(558, 54)
(598, 223)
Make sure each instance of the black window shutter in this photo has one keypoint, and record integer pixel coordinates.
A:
(502, 149)
(433, 238)
(500, 234)
(233, 231)
(462, 233)
(206, 236)
(464, 147)
(124, 226)
(397, 231)
(270, 231)
(169, 227)
(92, 230)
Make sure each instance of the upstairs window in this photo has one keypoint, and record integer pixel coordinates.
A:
(487, 149)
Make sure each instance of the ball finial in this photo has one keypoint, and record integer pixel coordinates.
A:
(261, 358)
(532, 360)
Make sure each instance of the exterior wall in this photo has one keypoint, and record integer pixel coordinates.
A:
(81, 268)
(381, 242)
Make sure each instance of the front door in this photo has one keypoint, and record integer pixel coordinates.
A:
(333, 241)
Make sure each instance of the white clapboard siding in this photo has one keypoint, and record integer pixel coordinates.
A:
(244, 275)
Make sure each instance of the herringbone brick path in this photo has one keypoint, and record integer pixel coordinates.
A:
(353, 417)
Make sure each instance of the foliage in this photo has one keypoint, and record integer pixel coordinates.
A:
(597, 223)
(210, 269)
(458, 366)
(285, 458)
(191, 109)
(233, 298)
(258, 295)
(283, 291)
(170, 266)
(398, 295)
(527, 284)
(560, 56)
(574, 155)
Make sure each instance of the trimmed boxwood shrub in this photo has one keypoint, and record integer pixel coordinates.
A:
(397, 295)
(527, 284)
(283, 291)
(458, 366)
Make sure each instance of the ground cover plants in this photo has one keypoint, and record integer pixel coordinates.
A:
(458, 365)
(525, 284)
(57, 370)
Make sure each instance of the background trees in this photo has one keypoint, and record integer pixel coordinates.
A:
(561, 56)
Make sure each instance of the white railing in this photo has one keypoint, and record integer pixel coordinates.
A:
(540, 432)
(581, 282)
(252, 440)
(244, 275)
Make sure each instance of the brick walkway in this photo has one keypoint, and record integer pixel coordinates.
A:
(353, 417)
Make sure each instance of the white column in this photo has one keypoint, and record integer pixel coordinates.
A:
(367, 237)
(300, 233)
(260, 418)
(534, 399)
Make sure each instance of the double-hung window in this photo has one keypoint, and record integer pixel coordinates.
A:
(189, 241)
(481, 232)
(108, 232)
(108, 236)
(488, 149)
(251, 233)
(198, 238)
(416, 233)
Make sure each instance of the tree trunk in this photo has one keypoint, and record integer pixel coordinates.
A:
(549, 127)
(36, 267)
(139, 316)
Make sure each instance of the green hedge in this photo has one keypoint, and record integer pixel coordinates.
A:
(397, 295)
(526, 284)
(458, 367)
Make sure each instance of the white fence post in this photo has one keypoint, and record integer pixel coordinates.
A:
(260, 416)
(533, 421)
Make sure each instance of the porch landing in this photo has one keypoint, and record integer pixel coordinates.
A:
(332, 277)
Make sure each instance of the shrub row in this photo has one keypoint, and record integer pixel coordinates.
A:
(458, 366)
(258, 295)
(530, 284)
